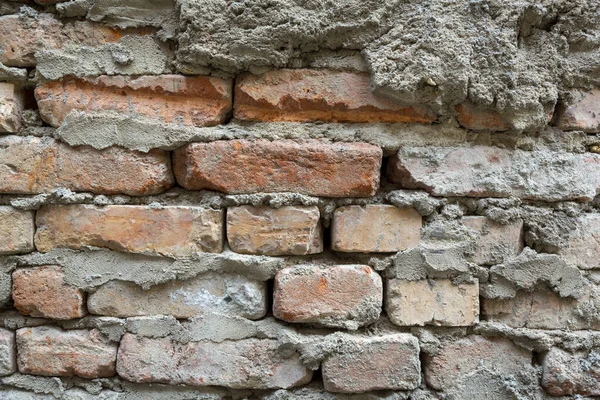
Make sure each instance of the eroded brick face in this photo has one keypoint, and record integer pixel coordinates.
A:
(11, 107)
(17, 228)
(31, 165)
(346, 296)
(175, 99)
(50, 351)
(8, 352)
(42, 292)
(583, 114)
(174, 231)
(249, 363)
(568, 374)
(310, 167)
(275, 231)
(495, 242)
(312, 95)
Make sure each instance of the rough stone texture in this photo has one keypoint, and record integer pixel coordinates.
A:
(566, 374)
(51, 351)
(377, 363)
(495, 242)
(275, 231)
(222, 293)
(317, 95)
(440, 302)
(542, 309)
(342, 296)
(310, 167)
(248, 363)
(482, 171)
(583, 244)
(16, 231)
(11, 107)
(582, 114)
(375, 228)
(41, 292)
(30, 165)
(177, 99)
(457, 361)
(24, 35)
(173, 231)
(8, 352)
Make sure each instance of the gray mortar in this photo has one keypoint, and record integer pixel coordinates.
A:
(133, 55)
(517, 57)
(12, 74)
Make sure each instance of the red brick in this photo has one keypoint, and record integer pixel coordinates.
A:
(275, 231)
(11, 106)
(310, 167)
(23, 36)
(16, 231)
(375, 228)
(456, 361)
(30, 165)
(389, 362)
(346, 296)
(318, 95)
(438, 302)
(50, 351)
(477, 118)
(567, 374)
(171, 231)
(495, 242)
(583, 114)
(177, 99)
(41, 292)
(242, 364)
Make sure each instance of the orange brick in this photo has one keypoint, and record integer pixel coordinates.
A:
(347, 296)
(41, 292)
(171, 231)
(310, 167)
(318, 95)
(30, 165)
(177, 99)
(477, 118)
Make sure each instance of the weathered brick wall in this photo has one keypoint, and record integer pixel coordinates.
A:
(189, 209)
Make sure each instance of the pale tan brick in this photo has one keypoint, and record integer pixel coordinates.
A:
(8, 352)
(176, 99)
(41, 292)
(582, 114)
(318, 95)
(389, 362)
(12, 102)
(457, 360)
(438, 302)
(23, 36)
(290, 230)
(310, 167)
(343, 296)
(568, 374)
(242, 364)
(30, 165)
(16, 231)
(173, 230)
(495, 242)
(220, 293)
(375, 228)
(583, 244)
(50, 351)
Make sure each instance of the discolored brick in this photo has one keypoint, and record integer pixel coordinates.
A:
(568, 374)
(177, 99)
(41, 292)
(341, 296)
(438, 302)
(12, 102)
(171, 230)
(16, 231)
(50, 351)
(8, 352)
(291, 230)
(31, 165)
(495, 242)
(388, 362)
(375, 228)
(311, 167)
(318, 95)
(583, 114)
(583, 244)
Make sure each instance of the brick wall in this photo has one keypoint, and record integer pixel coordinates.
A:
(283, 233)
